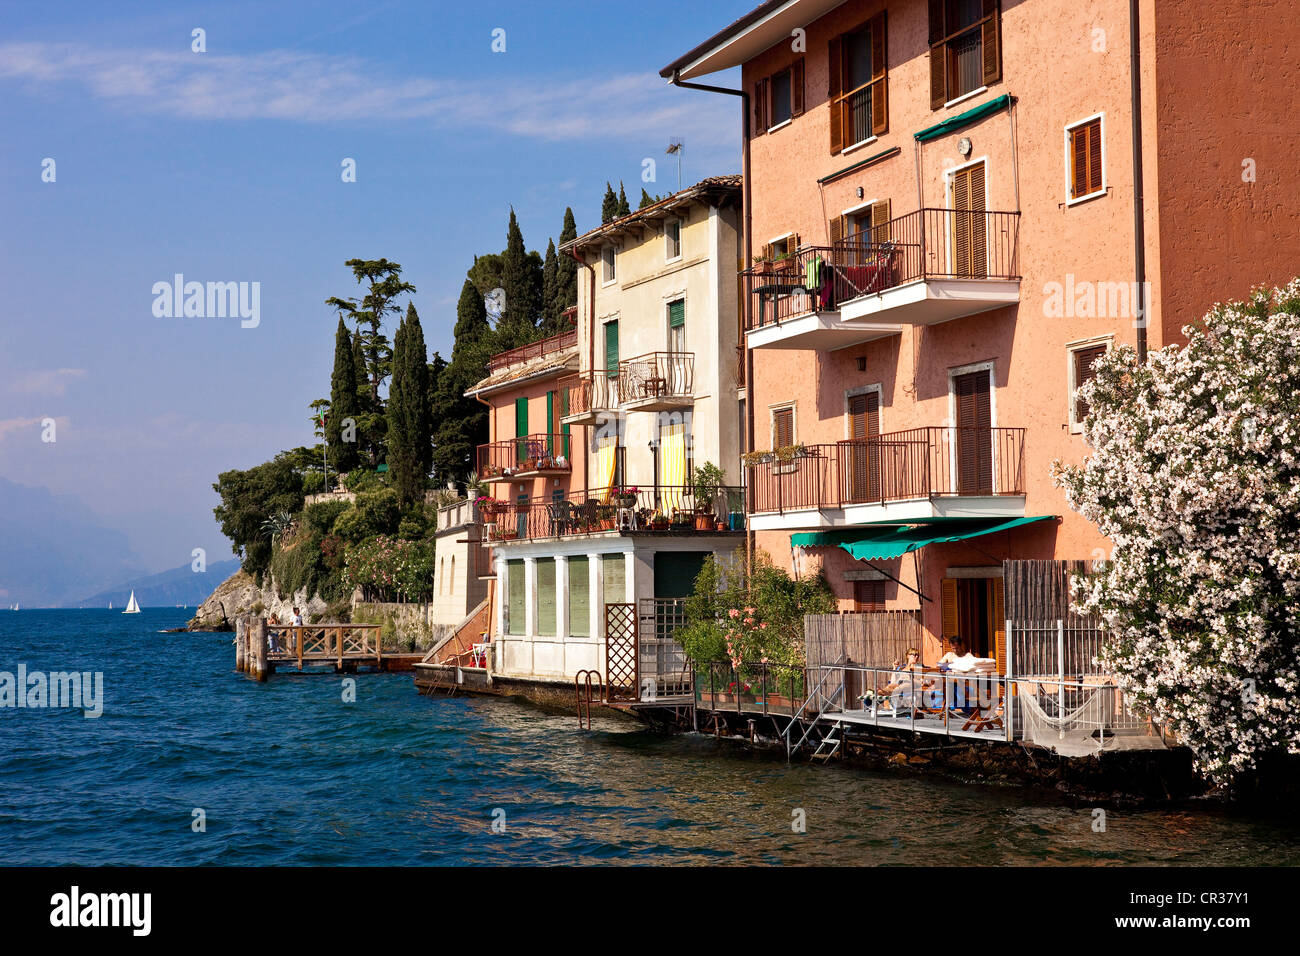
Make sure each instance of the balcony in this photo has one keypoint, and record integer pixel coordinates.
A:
(589, 397)
(533, 350)
(928, 266)
(662, 509)
(657, 382)
(529, 456)
(906, 475)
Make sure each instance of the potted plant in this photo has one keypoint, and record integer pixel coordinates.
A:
(626, 497)
(707, 481)
(659, 521)
(682, 519)
(489, 507)
(605, 515)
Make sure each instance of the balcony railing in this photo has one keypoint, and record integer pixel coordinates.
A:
(528, 455)
(662, 508)
(899, 466)
(589, 393)
(657, 378)
(525, 353)
(926, 244)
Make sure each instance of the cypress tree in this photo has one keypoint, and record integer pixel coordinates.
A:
(408, 431)
(418, 361)
(551, 308)
(566, 270)
(460, 423)
(608, 205)
(647, 199)
(400, 450)
(623, 208)
(521, 278)
(343, 403)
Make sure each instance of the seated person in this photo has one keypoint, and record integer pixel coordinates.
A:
(903, 685)
(960, 657)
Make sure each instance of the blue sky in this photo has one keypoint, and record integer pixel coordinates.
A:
(225, 166)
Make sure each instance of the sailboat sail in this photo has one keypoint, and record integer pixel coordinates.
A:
(131, 606)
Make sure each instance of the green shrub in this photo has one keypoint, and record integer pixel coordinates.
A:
(321, 516)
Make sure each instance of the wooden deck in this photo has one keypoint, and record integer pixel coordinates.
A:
(261, 649)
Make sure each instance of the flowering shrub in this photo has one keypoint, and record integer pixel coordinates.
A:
(390, 569)
(1195, 477)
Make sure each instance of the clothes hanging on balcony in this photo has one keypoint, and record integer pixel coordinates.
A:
(672, 456)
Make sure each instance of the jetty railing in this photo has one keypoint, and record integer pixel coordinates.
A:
(324, 642)
(753, 687)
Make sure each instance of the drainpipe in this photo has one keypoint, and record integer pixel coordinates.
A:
(746, 233)
(1139, 224)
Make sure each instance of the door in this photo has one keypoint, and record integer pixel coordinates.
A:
(611, 365)
(973, 443)
(969, 230)
(521, 430)
(864, 452)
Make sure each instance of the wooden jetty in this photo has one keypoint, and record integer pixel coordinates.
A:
(261, 648)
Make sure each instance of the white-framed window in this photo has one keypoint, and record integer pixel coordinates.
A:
(783, 425)
(1081, 356)
(1085, 159)
(609, 265)
(673, 239)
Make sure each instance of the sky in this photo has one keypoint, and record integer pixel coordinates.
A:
(226, 165)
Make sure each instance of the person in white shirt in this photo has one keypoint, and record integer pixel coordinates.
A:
(297, 618)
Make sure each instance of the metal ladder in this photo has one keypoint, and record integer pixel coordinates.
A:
(826, 755)
(830, 701)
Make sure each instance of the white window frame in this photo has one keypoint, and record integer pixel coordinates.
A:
(771, 98)
(612, 265)
(1108, 340)
(1069, 127)
(668, 257)
(949, 238)
(989, 366)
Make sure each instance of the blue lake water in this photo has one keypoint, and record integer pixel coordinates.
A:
(287, 773)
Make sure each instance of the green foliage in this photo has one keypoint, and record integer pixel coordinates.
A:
(248, 499)
(313, 483)
(521, 279)
(320, 517)
(460, 423)
(389, 569)
(364, 479)
(374, 513)
(409, 440)
(608, 205)
(299, 562)
(344, 402)
(623, 208)
(566, 269)
(551, 321)
(414, 524)
(647, 199)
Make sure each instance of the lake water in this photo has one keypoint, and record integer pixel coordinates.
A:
(287, 773)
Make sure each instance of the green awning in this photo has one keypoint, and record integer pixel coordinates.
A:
(880, 542)
(954, 123)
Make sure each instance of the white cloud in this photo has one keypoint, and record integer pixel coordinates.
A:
(46, 381)
(313, 88)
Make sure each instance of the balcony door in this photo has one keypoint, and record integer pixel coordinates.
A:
(969, 226)
(864, 454)
(973, 443)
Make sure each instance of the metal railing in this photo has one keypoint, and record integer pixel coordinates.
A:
(657, 375)
(751, 688)
(586, 392)
(667, 508)
(528, 453)
(929, 243)
(898, 466)
(524, 353)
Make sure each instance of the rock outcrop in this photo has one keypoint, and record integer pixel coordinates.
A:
(239, 594)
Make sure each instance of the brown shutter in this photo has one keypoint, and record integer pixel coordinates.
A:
(992, 42)
(879, 77)
(836, 229)
(796, 88)
(999, 623)
(961, 223)
(783, 427)
(880, 231)
(1083, 373)
(1094, 155)
(835, 68)
(760, 107)
(1078, 162)
(767, 252)
(949, 600)
(793, 244)
(978, 226)
(974, 445)
(938, 56)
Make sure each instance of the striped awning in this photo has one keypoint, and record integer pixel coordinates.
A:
(880, 542)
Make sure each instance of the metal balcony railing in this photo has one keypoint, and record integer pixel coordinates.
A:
(524, 353)
(657, 375)
(528, 454)
(589, 393)
(666, 508)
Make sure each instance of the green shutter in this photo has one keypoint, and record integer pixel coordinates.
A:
(564, 428)
(677, 314)
(614, 569)
(580, 596)
(611, 346)
(515, 622)
(675, 572)
(521, 417)
(550, 422)
(546, 596)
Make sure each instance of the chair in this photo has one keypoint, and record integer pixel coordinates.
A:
(561, 517)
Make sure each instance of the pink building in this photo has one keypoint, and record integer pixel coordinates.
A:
(943, 231)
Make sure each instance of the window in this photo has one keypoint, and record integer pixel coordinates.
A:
(778, 98)
(1083, 146)
(782, 427)
(781, 249)
(546, 596)
(859, 91)
(868, 595)
(613, 569)
(611, 346)
(579, 596)
(677, 326)
(673, 239)
(965, 48)
(515, 592)
(607, 260)
(864, 224)
(973, 404)
(1081, 372)
(969, 226)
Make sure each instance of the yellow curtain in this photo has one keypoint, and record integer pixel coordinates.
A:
(672, 463)
(605, 461)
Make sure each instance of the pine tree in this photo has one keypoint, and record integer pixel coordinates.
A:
(345, 455)
(550, 291)
(623, 208)
(608, 205)
(460, 423)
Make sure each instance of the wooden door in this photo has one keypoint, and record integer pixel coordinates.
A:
(864, 452)
(973, 443)
(969, 230)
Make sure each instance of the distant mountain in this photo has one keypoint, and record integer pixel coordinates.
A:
(166, 588)
(53, 548)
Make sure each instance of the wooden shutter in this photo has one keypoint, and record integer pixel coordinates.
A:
(760, 107)
(869, 595)
(613, 568)
(1085, 159)
(579, 596)
(880, 230)
(836, 229)
(864, 464)
(796, 88)
(546, 596)
(516, 621)
(879, 77)
(974, 444)
(998, 626)
(1083, 372)
(938, 56)
(949, 601)
(991, 40)
(611, 346)
(783, 427)
(970, 246)
(835, 63)
(521, 417)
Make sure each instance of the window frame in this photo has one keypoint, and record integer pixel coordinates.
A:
(787, 75)
(1068, 131)
(941, 45)
(668, 253)
(763, 99)
(773, 411)
(1075, 424)
(836, 100)
(609, 266)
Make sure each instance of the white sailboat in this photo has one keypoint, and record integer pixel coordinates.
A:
(131, 606)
